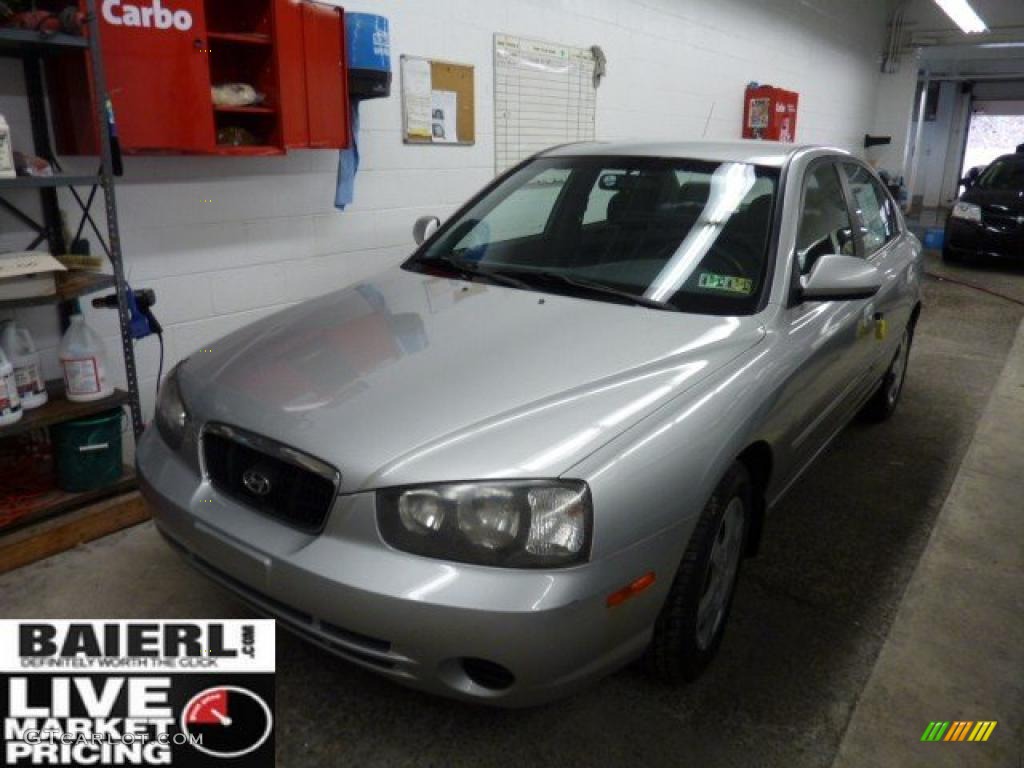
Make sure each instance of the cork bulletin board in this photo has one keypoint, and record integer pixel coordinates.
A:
(438, 102)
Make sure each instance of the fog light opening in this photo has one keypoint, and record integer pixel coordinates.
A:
(488, 674)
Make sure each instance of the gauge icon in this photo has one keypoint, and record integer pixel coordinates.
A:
(227, 721)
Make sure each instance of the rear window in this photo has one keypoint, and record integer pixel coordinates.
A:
(1005, 174)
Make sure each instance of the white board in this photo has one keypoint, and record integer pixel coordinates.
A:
(543, 95)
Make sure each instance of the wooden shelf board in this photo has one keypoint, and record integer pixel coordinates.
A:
(27, 42)
(58, 502)
(59, 409)
(70, 285)
(247, 110)
(57, 180)
(44, 538)
(240, 38)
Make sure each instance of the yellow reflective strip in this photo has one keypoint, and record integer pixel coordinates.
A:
(988, 731)
(977, 730)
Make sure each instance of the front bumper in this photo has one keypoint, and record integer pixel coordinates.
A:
(968, 239)
(412, 619)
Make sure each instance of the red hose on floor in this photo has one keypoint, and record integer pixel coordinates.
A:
(965, 284)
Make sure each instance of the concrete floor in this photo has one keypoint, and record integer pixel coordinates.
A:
(956, 644)
(811, 615)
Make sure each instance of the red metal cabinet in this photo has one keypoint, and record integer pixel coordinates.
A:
(770, 113)
(160, 67)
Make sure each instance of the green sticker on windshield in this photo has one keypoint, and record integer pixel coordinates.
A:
(725, 283)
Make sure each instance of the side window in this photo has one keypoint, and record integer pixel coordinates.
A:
(524, 213)
(824, 226)
(874, 209)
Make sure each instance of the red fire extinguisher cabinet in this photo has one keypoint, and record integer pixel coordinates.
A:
(770, 113)
(162, 57)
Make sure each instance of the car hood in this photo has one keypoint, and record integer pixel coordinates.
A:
(997, 200)
(414, 378)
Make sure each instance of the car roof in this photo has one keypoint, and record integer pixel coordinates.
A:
(770, 153)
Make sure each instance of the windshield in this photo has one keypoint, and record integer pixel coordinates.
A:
(690, 235)
(1006, 173)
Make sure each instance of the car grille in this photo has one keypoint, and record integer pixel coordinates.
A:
(1002, 222)
(277, 487)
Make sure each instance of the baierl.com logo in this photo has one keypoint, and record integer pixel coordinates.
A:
(153, 16)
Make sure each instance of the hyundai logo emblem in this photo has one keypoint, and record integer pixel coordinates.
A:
(256, 482)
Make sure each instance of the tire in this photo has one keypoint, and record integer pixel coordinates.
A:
(685, 638)
(883, 403)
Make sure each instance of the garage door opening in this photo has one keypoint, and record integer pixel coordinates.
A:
(996, 128)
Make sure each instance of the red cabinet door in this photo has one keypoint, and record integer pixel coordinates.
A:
(291, 68)
(158, 74)
(327, 108)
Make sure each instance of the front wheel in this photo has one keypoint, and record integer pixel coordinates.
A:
(692, 621)
(882, 404)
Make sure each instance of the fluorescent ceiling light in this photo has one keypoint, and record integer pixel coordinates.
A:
(963, 15)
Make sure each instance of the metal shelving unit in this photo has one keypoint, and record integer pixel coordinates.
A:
(32, 48)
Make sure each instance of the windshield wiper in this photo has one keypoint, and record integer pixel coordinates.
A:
(467, 270)
(596, 289)
(528, 280)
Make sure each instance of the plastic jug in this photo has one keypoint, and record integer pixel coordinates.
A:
(28, 373)
(84, 361)
(10, 403)
(7, 170)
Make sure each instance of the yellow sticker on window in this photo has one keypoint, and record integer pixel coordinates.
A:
(725, 283)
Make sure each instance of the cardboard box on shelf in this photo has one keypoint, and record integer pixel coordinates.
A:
(28, 274)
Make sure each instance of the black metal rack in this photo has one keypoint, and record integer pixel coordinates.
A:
(32, 48)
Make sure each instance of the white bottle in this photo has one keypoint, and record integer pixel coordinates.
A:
(28, 373)
(10, 403)
(6, 151)
(84, 361)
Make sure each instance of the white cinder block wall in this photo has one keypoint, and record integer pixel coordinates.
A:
(271, 236)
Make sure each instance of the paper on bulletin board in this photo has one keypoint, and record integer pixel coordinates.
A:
(444, 107)
(416, 93)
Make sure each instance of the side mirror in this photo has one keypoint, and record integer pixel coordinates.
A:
(840, 278)
(424, 227)
(971, 178)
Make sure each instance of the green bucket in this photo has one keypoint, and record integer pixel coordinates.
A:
(87, 452)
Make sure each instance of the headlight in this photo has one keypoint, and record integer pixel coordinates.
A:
(967, 212)
(171, 414)
(514, 524)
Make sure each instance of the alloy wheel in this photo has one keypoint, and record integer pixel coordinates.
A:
(898, 370)
(720, 576)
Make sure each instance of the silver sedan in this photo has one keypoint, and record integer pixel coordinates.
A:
(542, 447)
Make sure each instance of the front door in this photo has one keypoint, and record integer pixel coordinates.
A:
(824, 343)
(879, 229)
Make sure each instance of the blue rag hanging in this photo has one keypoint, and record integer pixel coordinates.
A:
(348, 164)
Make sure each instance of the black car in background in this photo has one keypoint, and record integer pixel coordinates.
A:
(988, 218)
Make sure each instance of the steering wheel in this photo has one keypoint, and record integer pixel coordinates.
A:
(724, 255)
